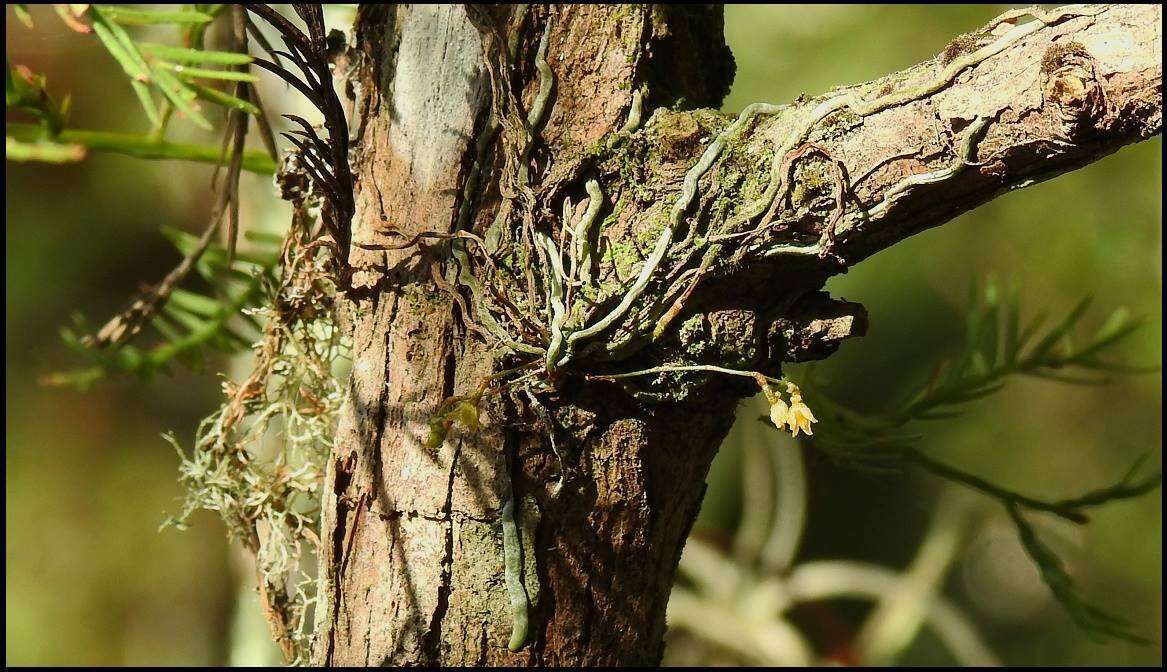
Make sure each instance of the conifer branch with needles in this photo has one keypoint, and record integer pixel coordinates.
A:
(997, 346)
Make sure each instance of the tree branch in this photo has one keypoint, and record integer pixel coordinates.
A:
(713, 212)
(1055, 97)
(1026, 98)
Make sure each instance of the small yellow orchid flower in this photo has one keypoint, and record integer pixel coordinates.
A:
(795, 416)
(779, 412)
(800, 417)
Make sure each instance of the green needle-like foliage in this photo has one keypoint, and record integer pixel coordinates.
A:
(140, 146)
(164, 78)
(997, 345)
(1097, 624)
(191, 324)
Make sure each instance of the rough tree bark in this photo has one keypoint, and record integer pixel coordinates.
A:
(608, 474)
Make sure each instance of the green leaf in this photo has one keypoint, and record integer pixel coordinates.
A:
(147, 101)
(70, 14)
(120, 45)
(165, 328)
(217, 97)
(12, 94)
(970, 393)
(129, 359)
(1114, 324)
(21, 88)
(26, 91)
(233, 340)
(63, 111)
(264, 238)
(182, 96)
(203, 73)
(144, 147)
(1067, 378)
(980, 363)
(981, 370)
(1042, 348)
(939, 415)
(78, 379)
(22, 15)
(1126, 488)
(143, 17)
(992, 291)
(183, 317)
(184, 55)
(989, 340)
(1117, 327)
(198, 304)
(1012, 325)
(122, 48)
(70, 338)
(1030, 330)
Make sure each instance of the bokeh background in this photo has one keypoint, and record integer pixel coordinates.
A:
(90, 579)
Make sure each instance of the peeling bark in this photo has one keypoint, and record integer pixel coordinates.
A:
(413, 552)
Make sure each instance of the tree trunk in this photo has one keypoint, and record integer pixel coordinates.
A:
(607, 474)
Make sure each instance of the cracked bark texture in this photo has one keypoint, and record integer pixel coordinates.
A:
(412, 552)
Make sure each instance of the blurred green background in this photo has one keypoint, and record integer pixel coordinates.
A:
(90, 579)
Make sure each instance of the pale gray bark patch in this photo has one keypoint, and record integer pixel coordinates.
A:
(436, 87)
